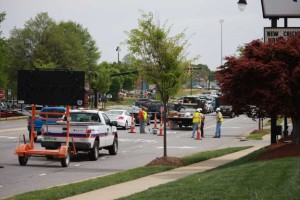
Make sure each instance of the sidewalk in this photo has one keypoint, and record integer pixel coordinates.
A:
(135, 186)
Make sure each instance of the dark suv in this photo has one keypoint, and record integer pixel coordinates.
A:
(226, 110)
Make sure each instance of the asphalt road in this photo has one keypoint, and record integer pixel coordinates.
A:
(135, 150)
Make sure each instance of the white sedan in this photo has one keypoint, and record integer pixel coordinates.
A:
(122, 117)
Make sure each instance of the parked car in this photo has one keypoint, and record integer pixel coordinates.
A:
(122, 117)
(142, 102)
(27, 109)
(3, 106)
(226, 110)
(134, 110)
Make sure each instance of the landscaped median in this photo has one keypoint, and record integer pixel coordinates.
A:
(242, 179)
(64, 191)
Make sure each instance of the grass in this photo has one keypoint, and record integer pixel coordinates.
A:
(186, 92)
(258, 134)
(64, 191)
(274, 179)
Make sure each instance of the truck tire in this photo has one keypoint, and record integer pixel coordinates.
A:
(23, 160)
(66, 161)
(113, 149)
(94, 152)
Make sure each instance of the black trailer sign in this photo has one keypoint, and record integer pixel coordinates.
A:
(51, 87)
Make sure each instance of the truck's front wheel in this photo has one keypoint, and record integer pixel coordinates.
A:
(94, 152)
(113, 149)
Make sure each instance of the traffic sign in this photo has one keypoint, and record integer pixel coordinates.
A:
(2, 94)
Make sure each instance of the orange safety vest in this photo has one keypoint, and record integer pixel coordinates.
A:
(141, 115)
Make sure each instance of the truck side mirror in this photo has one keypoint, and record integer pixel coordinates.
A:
(113, 123)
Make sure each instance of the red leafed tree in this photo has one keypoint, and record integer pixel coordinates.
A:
(264, 81)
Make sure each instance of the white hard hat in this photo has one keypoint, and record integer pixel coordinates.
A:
(199, 109)
(218, 109)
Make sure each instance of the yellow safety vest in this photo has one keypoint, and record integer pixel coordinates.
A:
(196, 117)
(219, 117)
(145, 115)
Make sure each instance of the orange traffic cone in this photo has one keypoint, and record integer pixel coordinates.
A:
(132, 125)
(155, 125)
(198, 132)
(161, 127)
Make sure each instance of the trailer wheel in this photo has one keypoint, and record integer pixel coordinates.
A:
(66, 161)
(113, 149)
(23, 160)
(94, 152)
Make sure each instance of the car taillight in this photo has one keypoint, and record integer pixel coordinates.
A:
(121, 117)
(88, 132)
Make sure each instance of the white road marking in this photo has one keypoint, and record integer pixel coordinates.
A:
(13, 129)
(173, 147)
(1, 186)
(137, 140)
(8, 137)
(43, 174)
(77, 165)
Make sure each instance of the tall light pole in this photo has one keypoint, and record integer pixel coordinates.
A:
(221, 22)
(118, 50)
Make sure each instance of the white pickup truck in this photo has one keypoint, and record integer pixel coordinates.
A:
(89, 130)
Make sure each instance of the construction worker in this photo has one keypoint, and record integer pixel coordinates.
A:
(202, 122)
(141, 120)
(219, 119)
(196, 121)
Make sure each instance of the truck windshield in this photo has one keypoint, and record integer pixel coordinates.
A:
(84, 117)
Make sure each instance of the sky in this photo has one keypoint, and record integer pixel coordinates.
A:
(107, 21)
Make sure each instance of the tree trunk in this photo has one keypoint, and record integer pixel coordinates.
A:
(273, 130)
(165, 129)
(296, 130)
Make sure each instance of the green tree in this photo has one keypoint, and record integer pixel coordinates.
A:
(264, 82)
(4, 59)
(103, 80)
(44, 43)
(162, 57)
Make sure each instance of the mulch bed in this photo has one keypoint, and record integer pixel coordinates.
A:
(284, 148)
(167, 161)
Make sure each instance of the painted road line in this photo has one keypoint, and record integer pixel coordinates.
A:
(174, 147)
(13, 129)
(8, 137)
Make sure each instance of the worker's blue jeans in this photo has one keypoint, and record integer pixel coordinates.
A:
(142, 126)
(218, 129)
(194, 129)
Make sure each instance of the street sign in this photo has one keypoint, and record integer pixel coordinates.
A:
(2, 94)
(272, 34)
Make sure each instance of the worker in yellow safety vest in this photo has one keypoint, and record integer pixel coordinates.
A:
(196, 120)
(219, 119)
